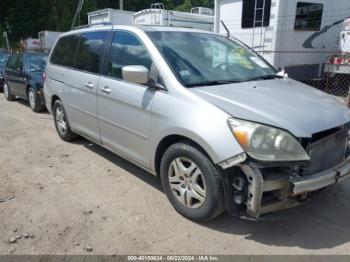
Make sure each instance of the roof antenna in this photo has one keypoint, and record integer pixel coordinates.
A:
(227, 31)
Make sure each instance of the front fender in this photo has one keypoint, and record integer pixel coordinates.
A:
(198, 121)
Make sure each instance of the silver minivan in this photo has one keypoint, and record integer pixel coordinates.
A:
(219, 126)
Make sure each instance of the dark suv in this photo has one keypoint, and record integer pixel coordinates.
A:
(3, 59)
(24, 78)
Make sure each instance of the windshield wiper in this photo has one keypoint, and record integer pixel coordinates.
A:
(263, 77)
(212, 83)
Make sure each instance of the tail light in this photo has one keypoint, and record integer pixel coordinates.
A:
(339, 61)
(44, 76)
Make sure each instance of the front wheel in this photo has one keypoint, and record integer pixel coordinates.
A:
(7, 92)
(191, 182)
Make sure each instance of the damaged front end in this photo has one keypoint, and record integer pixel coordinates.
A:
(262, 187)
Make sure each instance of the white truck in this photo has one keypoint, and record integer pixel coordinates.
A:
(110, 16)
(340, 62)
(337, 66)
(47, 39)
(30, 44)
(199, 18)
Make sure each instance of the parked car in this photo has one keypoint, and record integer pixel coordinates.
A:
(3, 59)
(24, 78)
(214, 120)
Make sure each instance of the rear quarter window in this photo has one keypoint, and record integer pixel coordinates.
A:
(90, 51)
(64, 52)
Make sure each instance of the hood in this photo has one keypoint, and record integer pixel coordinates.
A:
(283, 103)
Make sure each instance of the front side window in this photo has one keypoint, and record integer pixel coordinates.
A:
(308, 16)
(126, 50)
(64, 52)
(255, 13)
(90, 51)
(201, 58)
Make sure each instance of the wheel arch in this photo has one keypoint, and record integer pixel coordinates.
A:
(171, 139)
(54, 98)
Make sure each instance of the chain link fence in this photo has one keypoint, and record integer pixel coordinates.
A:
(331, 75)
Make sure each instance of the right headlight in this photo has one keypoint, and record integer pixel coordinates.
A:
(266, 143)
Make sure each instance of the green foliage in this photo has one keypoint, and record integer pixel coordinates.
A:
(25, 18)
(185, 6)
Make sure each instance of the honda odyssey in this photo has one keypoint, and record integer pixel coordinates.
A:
(219, 126)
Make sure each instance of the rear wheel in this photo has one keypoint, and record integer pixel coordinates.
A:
(7, 92)
(34, 101)
(191, 182)
(61, 122)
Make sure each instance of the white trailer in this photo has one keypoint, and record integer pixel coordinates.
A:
(112, 16)
(47, 39)
(157, 15)
(30, 44)
(295, 35)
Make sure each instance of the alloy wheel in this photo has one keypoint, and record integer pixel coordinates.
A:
(31, 97)
(6, 90)
(60, 120)
(187, 182)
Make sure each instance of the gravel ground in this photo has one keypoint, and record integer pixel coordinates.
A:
(78, 198)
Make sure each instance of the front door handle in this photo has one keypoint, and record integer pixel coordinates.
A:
(89, 84)
(105, 90)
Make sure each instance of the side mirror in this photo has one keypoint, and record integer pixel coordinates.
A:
(136, 74)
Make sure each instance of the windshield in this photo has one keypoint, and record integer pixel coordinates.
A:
(36, 62)
(3, 59)
(200, 58)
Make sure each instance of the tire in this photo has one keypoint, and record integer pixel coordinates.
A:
(203, 182)
(61, 122)
(7, 92)
(34, 101)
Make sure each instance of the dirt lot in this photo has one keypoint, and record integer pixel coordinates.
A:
(69, 196)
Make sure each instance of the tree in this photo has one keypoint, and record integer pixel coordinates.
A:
(26, 18)
(185, 6)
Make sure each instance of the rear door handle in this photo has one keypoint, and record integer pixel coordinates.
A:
(105, 90)
(89, 84)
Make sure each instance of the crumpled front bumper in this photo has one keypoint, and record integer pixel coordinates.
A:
(322, 179)
(289, 185)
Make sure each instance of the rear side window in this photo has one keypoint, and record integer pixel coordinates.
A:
(90, 51)
(308, 16)
(256, 13)
(64, 51)
(126, 50)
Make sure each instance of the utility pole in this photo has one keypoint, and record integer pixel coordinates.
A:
(121, 5)
(7, 41)
(77, 13)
